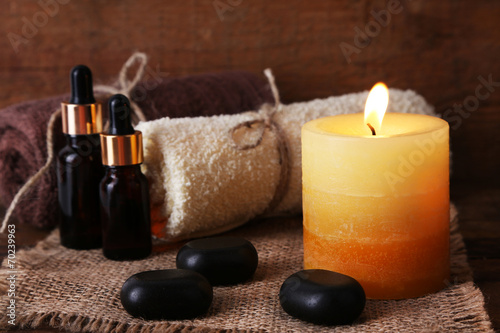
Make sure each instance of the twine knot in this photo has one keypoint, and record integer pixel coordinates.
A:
(125, 86)
(258, 126)
(265, 121)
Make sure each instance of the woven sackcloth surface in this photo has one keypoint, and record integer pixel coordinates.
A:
(79, 291)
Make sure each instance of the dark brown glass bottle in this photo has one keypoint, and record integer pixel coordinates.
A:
(79, 166)
(78, 173)
(125, 209)
(124, 192)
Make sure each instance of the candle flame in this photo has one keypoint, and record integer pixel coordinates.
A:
(375, 107)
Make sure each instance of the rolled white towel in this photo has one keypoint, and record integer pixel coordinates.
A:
(202, 184)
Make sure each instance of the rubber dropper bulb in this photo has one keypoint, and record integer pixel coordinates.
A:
(119, 116)
(81, 85)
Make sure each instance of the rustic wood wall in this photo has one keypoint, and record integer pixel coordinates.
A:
(446, 50)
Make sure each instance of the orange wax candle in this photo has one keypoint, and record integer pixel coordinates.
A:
(376, 201)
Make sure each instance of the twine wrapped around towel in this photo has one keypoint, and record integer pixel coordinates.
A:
(267, 122)
(211, 174)
(39, 174)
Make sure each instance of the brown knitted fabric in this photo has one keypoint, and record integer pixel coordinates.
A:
(79, 291)
(23, 129)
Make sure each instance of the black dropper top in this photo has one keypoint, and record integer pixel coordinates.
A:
(81, 85)
(119, 116)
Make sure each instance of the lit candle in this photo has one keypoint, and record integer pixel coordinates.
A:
(376, 199)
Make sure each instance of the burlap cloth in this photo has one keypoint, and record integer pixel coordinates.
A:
(79, 291)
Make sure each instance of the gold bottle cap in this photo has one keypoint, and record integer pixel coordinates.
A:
(81, 119)
(119, 150)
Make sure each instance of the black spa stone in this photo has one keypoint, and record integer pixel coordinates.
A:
(322, 297)
(222, 260)
(166, 294)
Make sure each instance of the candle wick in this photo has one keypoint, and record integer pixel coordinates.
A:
(373, 129)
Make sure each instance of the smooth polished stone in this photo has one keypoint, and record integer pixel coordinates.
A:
(166, 294)
(322, 297)
(222, 260)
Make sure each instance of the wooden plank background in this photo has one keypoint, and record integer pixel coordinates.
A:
(441, 49)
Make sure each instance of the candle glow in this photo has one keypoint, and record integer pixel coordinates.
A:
(376, 106)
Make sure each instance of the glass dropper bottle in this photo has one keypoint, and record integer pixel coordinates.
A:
(124, 194)
(79, 167)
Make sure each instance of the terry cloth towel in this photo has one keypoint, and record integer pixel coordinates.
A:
(80, 291)
(23, 129)
(204, 181)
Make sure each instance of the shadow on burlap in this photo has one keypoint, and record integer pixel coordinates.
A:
(79, 291)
